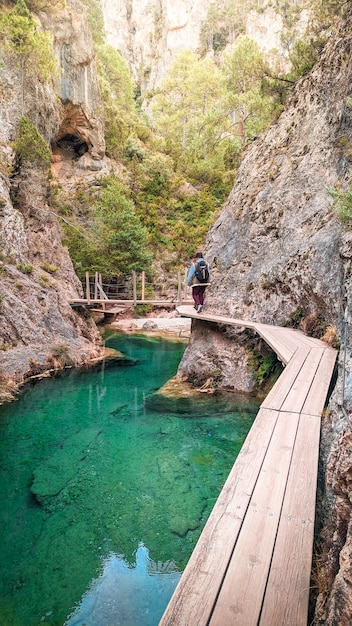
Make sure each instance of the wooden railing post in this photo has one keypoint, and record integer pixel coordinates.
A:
(143, 285)
(179, 288)
(134, 287)
(96, 286)
(87, 288)
(185, 291)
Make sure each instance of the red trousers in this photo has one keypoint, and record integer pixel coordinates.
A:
(198, 294)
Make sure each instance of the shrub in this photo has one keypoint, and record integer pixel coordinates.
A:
(25, 268)
(61, 353)
(264, 367)
(342, 204)
(30, 145)
(47, 267)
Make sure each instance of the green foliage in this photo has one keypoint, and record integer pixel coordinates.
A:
(185, 109)
(47, 267)
(224, 22)
(46, 282)
(296, 318)
(30, 146)
(125, 239)
(30, 47)
(264, 367)
(243, 66)
(206, 115)
(343, 204)
(142, 310)
(96, 20)
(37, 5)
(177, 225)
(303, 56)
(112, 239)
(25, 268)
(117, 91)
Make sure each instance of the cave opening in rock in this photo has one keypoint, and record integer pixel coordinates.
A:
(72, 144)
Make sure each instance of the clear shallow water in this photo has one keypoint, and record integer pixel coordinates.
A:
(105, 488)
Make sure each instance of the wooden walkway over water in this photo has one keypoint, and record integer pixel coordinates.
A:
(125, 296)
(252, 563)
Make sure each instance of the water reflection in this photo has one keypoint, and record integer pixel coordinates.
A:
(93, 463)
(127, 594)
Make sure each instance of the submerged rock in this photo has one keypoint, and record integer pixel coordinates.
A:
(60, 469)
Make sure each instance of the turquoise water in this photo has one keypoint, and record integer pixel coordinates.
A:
(105, 489)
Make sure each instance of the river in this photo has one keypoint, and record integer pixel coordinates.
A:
(105, 488)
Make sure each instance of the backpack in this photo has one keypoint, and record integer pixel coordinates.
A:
(201, 271)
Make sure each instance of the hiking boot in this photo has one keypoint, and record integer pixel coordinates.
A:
(199, 308)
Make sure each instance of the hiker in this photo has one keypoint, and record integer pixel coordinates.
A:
(198, 276)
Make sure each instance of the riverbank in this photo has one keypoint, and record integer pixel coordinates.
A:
(170, 325)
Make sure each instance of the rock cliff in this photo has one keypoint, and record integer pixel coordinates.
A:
(39, 329)
(279, 255)
(150, 33)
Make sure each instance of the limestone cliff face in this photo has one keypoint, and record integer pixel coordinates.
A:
(279, 254)
(150, 33)
(39, 330)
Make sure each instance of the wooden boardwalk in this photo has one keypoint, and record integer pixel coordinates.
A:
(252, 563)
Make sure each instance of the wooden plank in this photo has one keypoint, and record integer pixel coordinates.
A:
(240, 598)
(304, 340)
(287, 591)
(188, 311)
(319, 388)
(283, 348)
(116, 309)
(83, 301)
(196, 592)
(284, 334)
(298, 393)
(277, 395)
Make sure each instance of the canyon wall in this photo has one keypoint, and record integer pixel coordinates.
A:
(39, 329)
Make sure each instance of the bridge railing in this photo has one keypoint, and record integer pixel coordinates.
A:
(133, 288)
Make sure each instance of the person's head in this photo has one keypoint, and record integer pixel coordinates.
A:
(199, 255)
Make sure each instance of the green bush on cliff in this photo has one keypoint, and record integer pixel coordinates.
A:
(30, 146)
(343, 204)
(29, 46)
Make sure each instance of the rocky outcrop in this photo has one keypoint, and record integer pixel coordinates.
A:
(280, 255)
(39, 329)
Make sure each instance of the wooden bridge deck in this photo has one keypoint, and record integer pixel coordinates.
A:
(252, 563)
